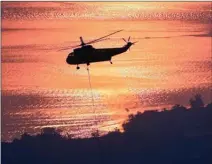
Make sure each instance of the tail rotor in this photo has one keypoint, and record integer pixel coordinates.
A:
(124, 40)
(128, 42)
(129, 39)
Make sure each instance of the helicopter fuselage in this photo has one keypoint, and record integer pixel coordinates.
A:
(88, 54)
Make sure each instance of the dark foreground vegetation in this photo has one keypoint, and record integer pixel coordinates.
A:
(177, 136)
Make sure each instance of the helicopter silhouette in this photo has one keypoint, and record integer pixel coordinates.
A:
(87, 54)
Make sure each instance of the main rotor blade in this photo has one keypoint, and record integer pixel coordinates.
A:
(93, 41)
(71, 47)
(66, 48)
(89, 42)
(98, 40)
(103, 37)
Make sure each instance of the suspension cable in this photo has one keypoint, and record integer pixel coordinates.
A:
(101, 161)
(89, 78)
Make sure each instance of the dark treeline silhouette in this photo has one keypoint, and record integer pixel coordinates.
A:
(177, 136)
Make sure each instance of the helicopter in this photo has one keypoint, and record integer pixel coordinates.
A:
(85, 53)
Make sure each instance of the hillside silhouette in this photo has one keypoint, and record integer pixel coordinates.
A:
(177, 136)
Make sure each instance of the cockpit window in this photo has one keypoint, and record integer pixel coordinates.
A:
(71, 54)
